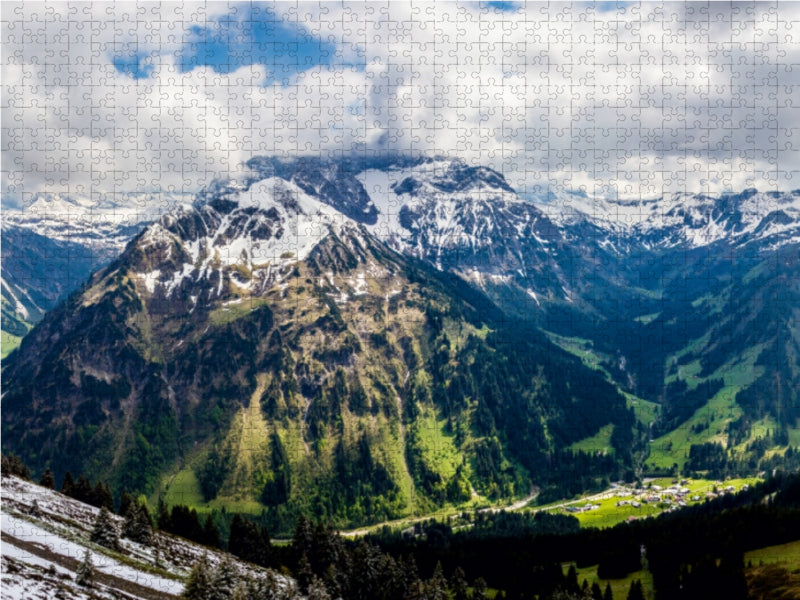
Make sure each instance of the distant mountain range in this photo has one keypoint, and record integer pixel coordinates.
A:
(363, 339)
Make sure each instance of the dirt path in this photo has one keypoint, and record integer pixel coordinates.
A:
(411, 520)
(599, 496)
(130, 589)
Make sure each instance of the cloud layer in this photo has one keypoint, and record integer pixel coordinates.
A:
(616, 98)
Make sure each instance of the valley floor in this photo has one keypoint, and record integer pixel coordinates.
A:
(607, 508)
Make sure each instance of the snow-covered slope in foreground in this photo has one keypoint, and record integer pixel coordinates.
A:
(44, 541)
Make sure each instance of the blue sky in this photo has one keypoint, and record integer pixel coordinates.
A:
(251, 34)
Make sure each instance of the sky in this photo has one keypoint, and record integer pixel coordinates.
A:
(620, 99)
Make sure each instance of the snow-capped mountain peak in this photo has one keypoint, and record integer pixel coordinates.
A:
(240, 241)
(691, 220)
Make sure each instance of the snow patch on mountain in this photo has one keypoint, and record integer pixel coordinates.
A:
(104, 226)
(450, 201)
(45, 535)
(676, 220)
(247, 236)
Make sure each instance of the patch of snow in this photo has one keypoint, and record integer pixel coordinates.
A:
(29, 532)
(532, 294)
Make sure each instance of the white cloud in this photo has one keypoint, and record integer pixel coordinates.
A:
(643, 99)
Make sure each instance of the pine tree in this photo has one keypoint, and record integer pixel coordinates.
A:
(479, 589)
(416, 590)
(105, 530)
(571, 584)
(200, 583)
(138, 526)
(597, 593)
(304, 574)
(211, 533)
(225, 580)
(84, 575)
(636, 592)
(267, 588)
(11, 464)
(436, 587)
(100, 496)
(334, 581)
(608, 594)
(125, 501)
(83, 490)
(366, 564)
(317, 590)
(245, 541)
(459, 583)
(48, 480)
(163, 518)
(301, 540)
(68, 486)
(391, 585)
(410, 573)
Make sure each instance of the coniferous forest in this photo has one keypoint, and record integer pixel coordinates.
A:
(514, 555)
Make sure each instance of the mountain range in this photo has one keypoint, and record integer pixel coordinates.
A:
(363, 339)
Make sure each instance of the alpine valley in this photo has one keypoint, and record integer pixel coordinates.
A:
(358, 340)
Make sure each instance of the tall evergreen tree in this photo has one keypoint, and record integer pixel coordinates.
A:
(163, 519)
(335, 581)
(366, 566)
(416, 590)
(608, 594)
(597, 593)
(10, 464)
(200, 583)
(479, 589)
(138, 526)
(459, 583)
(105, 530)
(571, 584)
(246, 541)
(84, 574)
(184, 522)
(101, 496)
(436, 588)
(392, 584)
(304, 574)
(302, 539)
(317, 590)
(68, 485)
(211, 533)
(225, 580)
(48, 480)
(83, 490)
(125, 502)
(636, 591)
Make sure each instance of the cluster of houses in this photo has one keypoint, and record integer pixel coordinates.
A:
(670, 498)
(580, 509)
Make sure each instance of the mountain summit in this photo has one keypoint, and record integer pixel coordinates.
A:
(262, 348)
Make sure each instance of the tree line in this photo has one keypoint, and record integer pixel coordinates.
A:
(688, 551)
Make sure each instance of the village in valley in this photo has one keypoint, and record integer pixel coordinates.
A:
(628, 502)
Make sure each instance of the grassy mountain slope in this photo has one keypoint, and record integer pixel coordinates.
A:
(362, 385)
